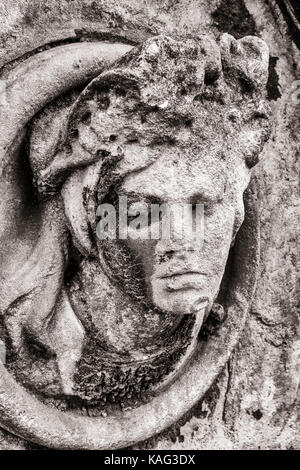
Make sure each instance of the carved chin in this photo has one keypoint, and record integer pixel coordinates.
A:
(182, 294)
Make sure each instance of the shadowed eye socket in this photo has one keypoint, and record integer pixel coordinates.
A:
(203, 208)
(202, 204)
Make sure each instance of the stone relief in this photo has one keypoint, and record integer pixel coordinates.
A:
(102, 334)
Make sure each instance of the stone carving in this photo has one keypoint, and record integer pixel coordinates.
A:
(110, 324)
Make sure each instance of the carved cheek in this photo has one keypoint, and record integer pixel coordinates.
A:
(144, 252)
(218, 230)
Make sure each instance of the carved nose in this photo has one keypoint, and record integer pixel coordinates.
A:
(178, 252)
(186, 224)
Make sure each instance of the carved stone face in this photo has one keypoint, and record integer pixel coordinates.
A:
(169, 125)
(183, 274)
(179, 138)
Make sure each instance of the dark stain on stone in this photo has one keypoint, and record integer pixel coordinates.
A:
(257, 414)
(291, 13)
(233, 17)
(211, 326)
(273, 86)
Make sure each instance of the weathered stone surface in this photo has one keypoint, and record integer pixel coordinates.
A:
(255, 401)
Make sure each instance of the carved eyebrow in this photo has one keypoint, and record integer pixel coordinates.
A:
(206, 196)
(133, 196)
(213, 194)
(197, 198)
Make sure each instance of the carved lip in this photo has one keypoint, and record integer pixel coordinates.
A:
(184, 281)
(181, 273)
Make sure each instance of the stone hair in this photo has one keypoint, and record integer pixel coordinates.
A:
(171, 84)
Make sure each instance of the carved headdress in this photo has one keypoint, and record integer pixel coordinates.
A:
(192, 93)
(204, 99)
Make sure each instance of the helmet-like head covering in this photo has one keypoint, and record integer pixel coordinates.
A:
(201, 97)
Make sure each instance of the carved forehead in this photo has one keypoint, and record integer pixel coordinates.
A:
(173, 177)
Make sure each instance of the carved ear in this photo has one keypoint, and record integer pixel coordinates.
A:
(245, 61)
